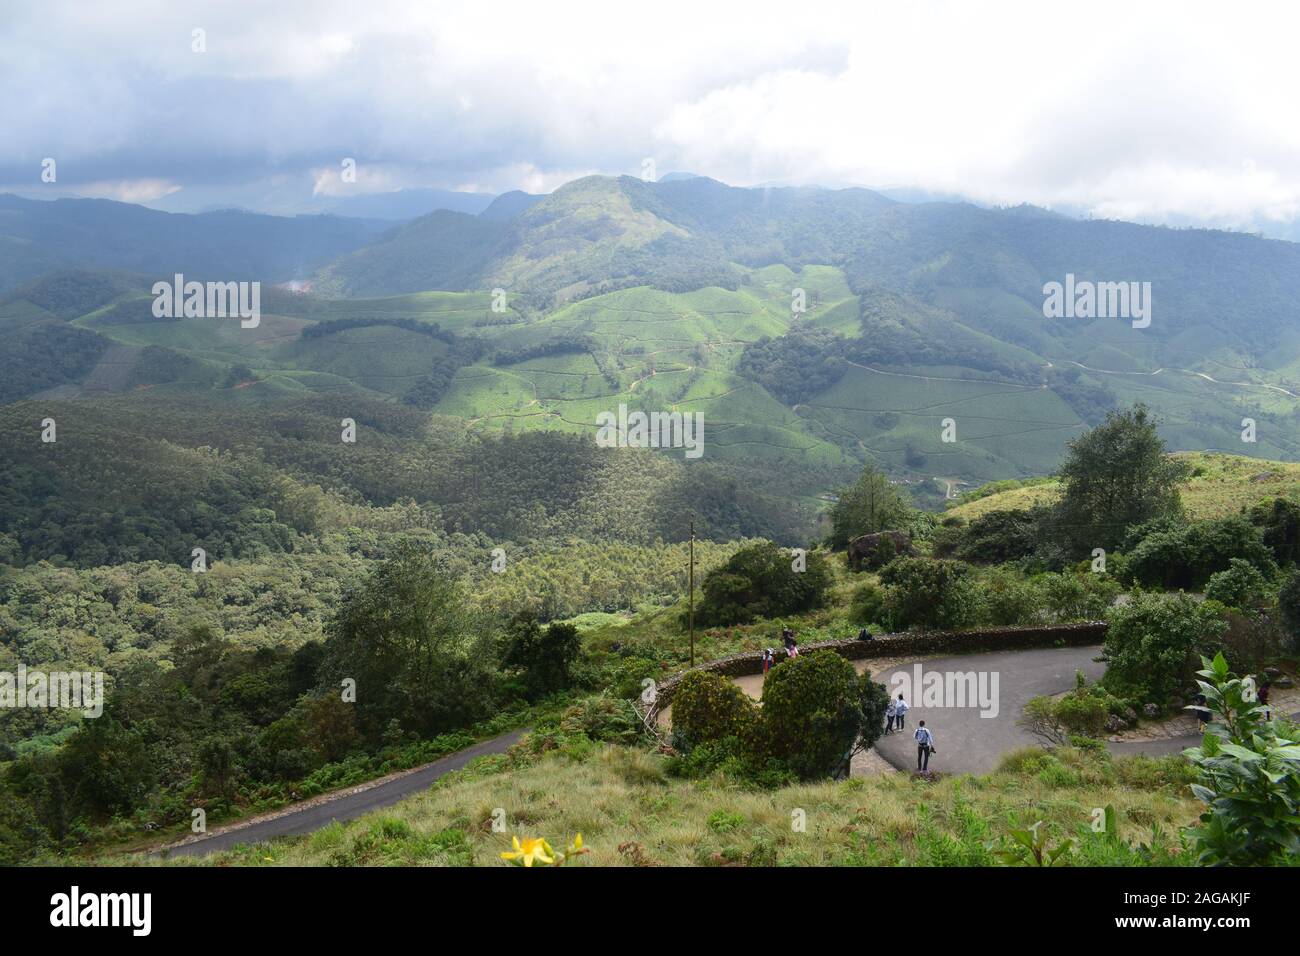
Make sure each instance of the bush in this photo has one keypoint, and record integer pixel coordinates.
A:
(708, 707)
(1153, 643)
(1186, 556)
(924, 593)
(543, 656)
(1056, 721)
(1071, 596)
(602, 717)
(1288, 603)
(1253, 639)
(867, 604)
(1249, 778)
(1280, 519)
(760, 581)
(1009, 599)
(812, 713)
(1240, 586)
(998, 536)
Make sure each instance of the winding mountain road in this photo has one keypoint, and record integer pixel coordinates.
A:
(347, 806)
(965, 741)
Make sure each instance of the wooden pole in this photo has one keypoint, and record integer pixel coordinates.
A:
(691, 600)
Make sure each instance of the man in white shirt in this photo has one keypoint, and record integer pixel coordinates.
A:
(924, 747)
(900, 711)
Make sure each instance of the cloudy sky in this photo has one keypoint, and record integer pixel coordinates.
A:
(1165, 112)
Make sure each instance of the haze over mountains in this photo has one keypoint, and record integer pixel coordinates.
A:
(681, 293)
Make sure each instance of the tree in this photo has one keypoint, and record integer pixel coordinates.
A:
(761, 581)
(1116, 475)
(871, 504)
(812, 713)
(1153, 643)
(543, 655)
(416, 650)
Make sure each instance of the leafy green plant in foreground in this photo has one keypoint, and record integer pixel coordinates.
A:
(1249, 777)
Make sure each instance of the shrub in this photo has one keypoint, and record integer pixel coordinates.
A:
(1071, 596)
(759, 581)
(1249, 778)
(1008, 598)
(998, 536)
(708, 707)
(1280, 519)
(812, 713)
(543, 656)
(1253, 639)
(1056, 721)
(929, 594)
(867, 604)
(1185, 557)
(1288, 603)
(1240, 586)
(1153, 643)
(602, 717)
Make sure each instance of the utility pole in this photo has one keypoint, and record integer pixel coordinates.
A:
(691, 599)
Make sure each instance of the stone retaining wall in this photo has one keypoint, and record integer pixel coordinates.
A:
(906, 644)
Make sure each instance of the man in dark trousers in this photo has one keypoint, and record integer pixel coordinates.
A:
(900, 713)
(924, 747)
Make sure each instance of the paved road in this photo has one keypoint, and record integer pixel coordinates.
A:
(965, 742)
(1160, 747)
(348, 806)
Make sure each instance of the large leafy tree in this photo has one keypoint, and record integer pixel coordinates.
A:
(418, 653)
(870, 504)
(1116, 475)
(544, 657)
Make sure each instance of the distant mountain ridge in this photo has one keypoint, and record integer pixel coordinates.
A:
(812, 327)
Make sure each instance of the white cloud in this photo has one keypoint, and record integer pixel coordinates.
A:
(1147, 110)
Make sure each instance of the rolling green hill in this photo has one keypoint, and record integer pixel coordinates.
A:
(678, 295)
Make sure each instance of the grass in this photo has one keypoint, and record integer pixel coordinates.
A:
(1220, 485)
(632, 813)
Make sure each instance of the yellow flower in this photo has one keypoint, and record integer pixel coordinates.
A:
(576, 847)
(529, 851)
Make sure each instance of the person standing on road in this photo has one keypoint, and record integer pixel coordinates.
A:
(900, 712)
(890, 712)
(924, 747)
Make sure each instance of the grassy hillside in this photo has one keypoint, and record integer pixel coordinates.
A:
(1220, 485)
(630, 812)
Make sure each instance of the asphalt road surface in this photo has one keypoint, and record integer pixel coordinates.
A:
(965, 741)
(346, 807)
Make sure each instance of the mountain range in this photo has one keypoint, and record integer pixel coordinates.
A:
(813, 328)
